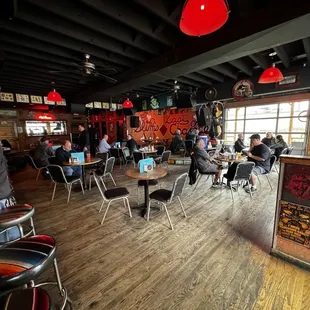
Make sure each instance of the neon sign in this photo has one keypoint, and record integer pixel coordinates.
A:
(44, 117)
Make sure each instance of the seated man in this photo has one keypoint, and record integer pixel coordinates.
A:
(269, 140)
(279, 146)
(131, 144)
(205, 163)
(239, 144)
(260, 154)
(63, 154)
(177, 142)
(42, 152)
(104, 146)
(191, 135)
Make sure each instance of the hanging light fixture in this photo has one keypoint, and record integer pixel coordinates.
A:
(271, 75)
(201, 17)
(127, 104)
(53, 95)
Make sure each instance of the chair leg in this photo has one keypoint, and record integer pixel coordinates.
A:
(90, 181)
(181, 204)
(39, 170)
(260, 183)
(106, 211)
(54, 191)
(269, 181)
(112, 179)
(82, 186)
(197, 181)
(32, 225)
(128, 206)
(276, 168)
(103, 184)
(168, 216)
(60, 287)
(251, 195)
(69, 192)
(231, 191)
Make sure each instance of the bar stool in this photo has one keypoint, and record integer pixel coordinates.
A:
(23, 261)
(16, 216)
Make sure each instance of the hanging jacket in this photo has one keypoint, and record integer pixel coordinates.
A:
(193, 171)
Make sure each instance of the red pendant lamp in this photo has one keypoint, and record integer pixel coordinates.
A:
(54, 96)
(201, 17)
(127, 104)
(271, 75)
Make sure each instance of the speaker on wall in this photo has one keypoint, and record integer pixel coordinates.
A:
(134, 121)
(204, 117)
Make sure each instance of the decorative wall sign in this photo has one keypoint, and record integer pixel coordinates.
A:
(113, 106)
(169, 101)
(9, 97)
(289, 80)
(211, 93)
(19, 129)
(243, 89)
(62, 103)
(97, 105)
(89, 105)
(154, 103)
(48, 102)
(144, 105)
(119, 107)
(22, 98)
(36, 99)
(105, 105)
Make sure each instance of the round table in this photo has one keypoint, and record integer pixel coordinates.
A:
(155, 174)
(148, 153)
(87, 162)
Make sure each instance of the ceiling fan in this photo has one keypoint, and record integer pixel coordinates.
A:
(176, 89)
(86, 68)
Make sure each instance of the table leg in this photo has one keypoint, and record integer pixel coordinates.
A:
(146, 198)
(84, 177)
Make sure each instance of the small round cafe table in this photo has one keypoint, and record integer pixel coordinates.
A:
(155, 174)
(87, 162)
(148, 153)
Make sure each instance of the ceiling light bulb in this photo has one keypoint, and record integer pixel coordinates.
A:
(272, 54)
(202, 7)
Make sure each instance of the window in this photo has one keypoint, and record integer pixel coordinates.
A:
(38, 128)
(286, 118)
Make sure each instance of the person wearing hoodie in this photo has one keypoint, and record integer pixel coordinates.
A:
(42, 153)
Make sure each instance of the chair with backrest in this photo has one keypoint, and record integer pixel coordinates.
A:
(32, 164)
(21, 264)
(103, 173)
(242, 174)
(58, 177)
(111, 195)
(160, 149)
(290, 150)
(103, 156)
(126, 156)
(164, 159)
(273, 159)
(17, 216)
(117, 154)
(137, 156)
(165, 196)
(283, 152)
(189, 145)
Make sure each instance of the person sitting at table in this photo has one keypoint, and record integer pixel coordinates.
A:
(239, 144)
(42, 152)
(269, 140)
(63, 154)
(205, 163)
(6, 144)
(191, 135)
(131, 144)
(260, 154)
(177, 142)
(279, 146)
(104, 146)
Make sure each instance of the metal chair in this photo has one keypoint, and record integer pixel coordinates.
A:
(103, 156)
(290, 150)
(272, 163)
(242, 174)
(126, 156)
(17, 216)
(160, 149)
(21, 263)
(164, 159)
(116, 153)
(32, 164)
(106, 172)
(284, 152)
(58, 177)
(165, 196)
(111, 195)
(137, 156)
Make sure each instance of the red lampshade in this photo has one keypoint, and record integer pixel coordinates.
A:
(127, 104)
(201, 17)
(54, 96)
(271, 75)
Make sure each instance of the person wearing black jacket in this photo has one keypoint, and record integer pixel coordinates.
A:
(239, 144)
(131, 144)
(84, 139)
(42, 152)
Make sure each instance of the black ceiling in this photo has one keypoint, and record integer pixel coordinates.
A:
(141, 40)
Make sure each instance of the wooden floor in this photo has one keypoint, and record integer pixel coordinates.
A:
(217, 258)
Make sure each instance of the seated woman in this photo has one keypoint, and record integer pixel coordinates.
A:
(205, 163)
(279, 146)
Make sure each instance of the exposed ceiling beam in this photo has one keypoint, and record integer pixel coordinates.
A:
(199, 78)
(280, 50)
(152, 88)
(61, 40)
(212, 75)
(77, 32)
(306, 43)
(242, 66)
(188, 81)
(225, 70)
(73, 11)
(160, 9)
(122, 12)
(260, 60)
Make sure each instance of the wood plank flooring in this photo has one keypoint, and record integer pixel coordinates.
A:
(217, 258)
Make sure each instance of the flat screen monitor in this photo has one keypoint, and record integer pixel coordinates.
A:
(117, 144)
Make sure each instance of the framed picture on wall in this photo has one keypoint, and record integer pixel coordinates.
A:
(105, 105)
(22, 98)
(48, 102)
(9, 97)
(36, 99)
(111, 127)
